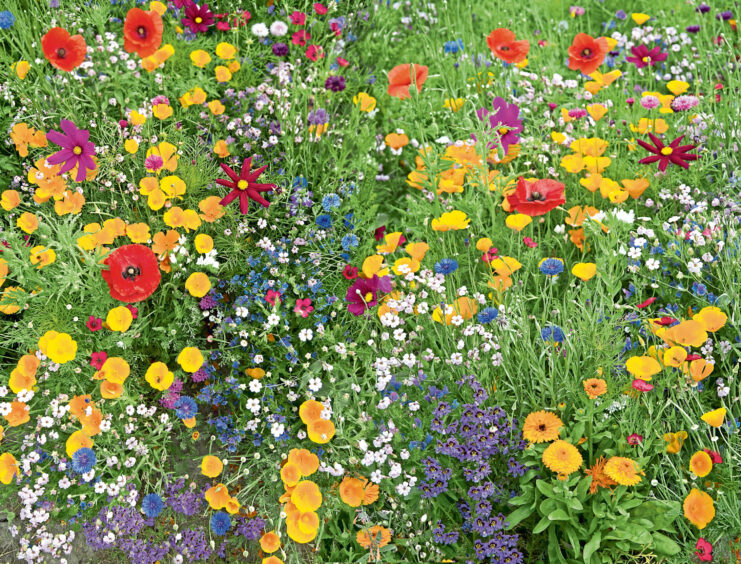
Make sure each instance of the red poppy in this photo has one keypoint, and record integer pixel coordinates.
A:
(350, 272)
(502, 43)
(133, 273)
(400, 79)
(587, 53)
(714, 456)
(63, 51)
(142, 32)
(536, 198)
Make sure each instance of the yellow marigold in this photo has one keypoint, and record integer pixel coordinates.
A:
(226, 51)
(541, 427)
(562, 457)
(451, 221)
(200, 58)
(623, 470)
(595, 387)
(211, 466)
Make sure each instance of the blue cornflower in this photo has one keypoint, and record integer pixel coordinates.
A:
(552, 334)
(488, 315)
(7, 19)
(453, 46)
(220, 523)
(186, 407)
(350, 241)
(446, 266)
(152, 505)
(331, 201)
(83, 460)
(324, 221)
(551, 266)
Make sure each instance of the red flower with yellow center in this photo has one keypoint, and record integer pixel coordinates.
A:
(672, 153)
(244, 187)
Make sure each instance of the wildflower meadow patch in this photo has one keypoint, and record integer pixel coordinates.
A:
(370, 281)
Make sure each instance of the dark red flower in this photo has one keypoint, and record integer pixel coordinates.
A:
(134, 310)
(133, 273)
(665, 321)
(63, 51)
(94, 323)
(350, 272)
(536, 198)
(634, 439)
(714, 456)
(378, 233)
(243, 185)
(704, 550)
(271, 296)
(97, 359)
(673, 153)
(690, 357)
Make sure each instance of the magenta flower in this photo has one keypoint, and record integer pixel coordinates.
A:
(271, 296)
(673, 153)
(243, 185)
(363, 294)
(97, 359)
(504, 122)
(303, 308)
(642, 385)
(76, 149)
(197, 18)
(635, 439)
(643, 57)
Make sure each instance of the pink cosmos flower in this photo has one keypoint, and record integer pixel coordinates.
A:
(77, 150)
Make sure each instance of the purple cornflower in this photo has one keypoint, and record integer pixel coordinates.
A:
(197, 18)
(702, 8)
(692, 28)
(504, 121)
(643, 57)
(725, 16)
(335, 83)
(77, 150)
(280, 49)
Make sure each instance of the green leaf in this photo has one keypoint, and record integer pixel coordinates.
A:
(558, 515)
(545, 488)
(661, 513)
(548, 506)
(664, 545)
(574, 503)
(592, 546)
(554, 549)
(520, 500)
(517, 516)
(542, 525)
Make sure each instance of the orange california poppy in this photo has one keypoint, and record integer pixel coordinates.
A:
(587, 53)
(63, 51)
(310, 411)
(270, 542)
(401, 78)
(351, 491)
(142, 32)
(698, 508)
(502, 43)
(306, 461)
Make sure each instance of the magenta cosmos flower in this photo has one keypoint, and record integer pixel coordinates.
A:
(244, 187)
(504, 122)
(197, 18)
(363, 294)
(643, 57)
(76, 151)
(672, 153)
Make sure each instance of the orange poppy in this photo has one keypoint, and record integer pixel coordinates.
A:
(502, 43)
(351, 491)
(587, 53)
(401, 78)
(698, 508)
(63, 51)
(270, 542)
(306, 461)
(142, 32)
(310, 411)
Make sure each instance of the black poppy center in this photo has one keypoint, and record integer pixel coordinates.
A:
(141, 31)
(536, 197)
(61, 52)
(131, 272)
(586, 53)
(504, 48)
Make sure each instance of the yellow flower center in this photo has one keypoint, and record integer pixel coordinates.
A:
(198, 19)
(666, 151)
(503, 130)
(646, 59)
(369, 297)
(242, 184)
(77, 150)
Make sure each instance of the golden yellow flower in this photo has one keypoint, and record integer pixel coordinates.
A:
(562, 457)
(541, 427)
(623, 470)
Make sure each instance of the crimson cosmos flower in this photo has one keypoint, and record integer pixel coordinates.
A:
(536, 198)
(643, 57)
(197, 18)
(133, 273)
(244, 186)
(665, 154)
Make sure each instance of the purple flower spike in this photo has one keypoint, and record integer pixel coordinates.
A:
(76, 149)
